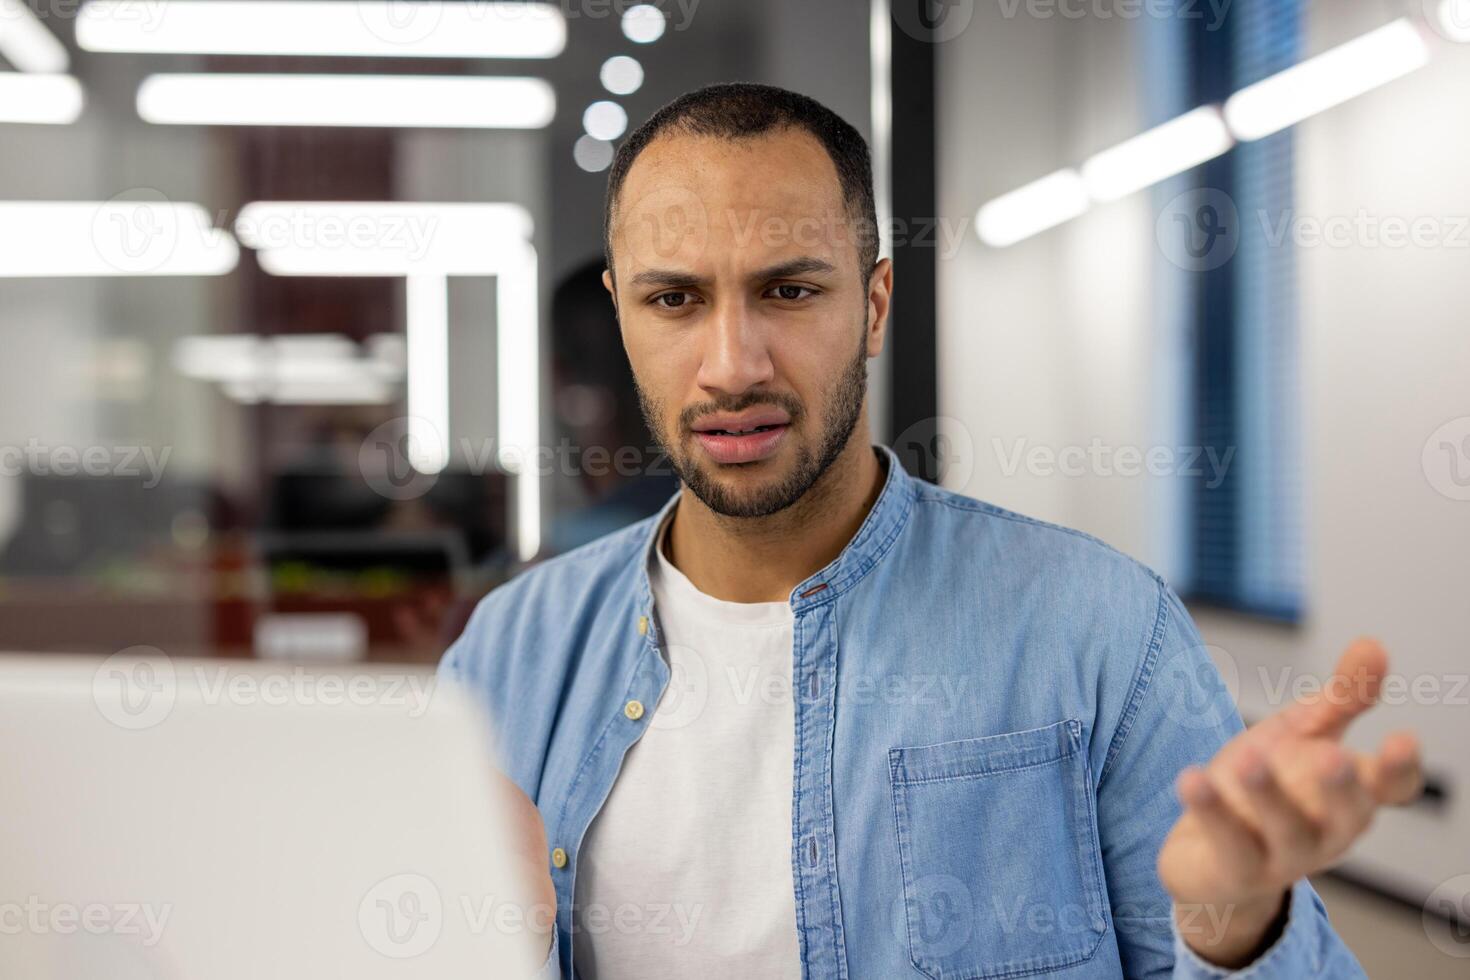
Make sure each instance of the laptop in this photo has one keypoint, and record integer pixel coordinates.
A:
(213, 820)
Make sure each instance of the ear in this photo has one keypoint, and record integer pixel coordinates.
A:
(610, 285)
(880, 296)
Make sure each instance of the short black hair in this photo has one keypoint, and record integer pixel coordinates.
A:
(743, 110)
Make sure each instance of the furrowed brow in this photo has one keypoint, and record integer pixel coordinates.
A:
(666, 279)
(795, 267)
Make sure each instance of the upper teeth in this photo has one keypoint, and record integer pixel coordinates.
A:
(742, 432)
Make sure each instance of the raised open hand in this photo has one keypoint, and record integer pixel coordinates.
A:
(1282, 800)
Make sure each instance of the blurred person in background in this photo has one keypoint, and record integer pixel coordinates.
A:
(621, 473)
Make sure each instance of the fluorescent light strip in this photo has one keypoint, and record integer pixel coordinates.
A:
(1024, 212)
(26, 43)
(354, 391)
(1329, 79)
(389, 101)
(317, 369)
(111, 238)
(1166, 150)
(428, 373)
(880, 102)
(330, 28)
(384, 238)
(518, 390)
(52, 100)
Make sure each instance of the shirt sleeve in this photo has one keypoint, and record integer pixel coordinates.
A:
(1181, 712)
(1307, 947)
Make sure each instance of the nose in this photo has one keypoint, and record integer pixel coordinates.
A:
(737, 355)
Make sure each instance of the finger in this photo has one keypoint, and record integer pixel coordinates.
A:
(1346, 804)
(528, 846)
(1291, 834)
(1318, 774)
(1218, 820)
(1395, 776)
(1352, 690)
(528, 833)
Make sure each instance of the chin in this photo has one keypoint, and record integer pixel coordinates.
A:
(757, 489)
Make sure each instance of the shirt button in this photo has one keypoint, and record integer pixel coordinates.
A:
(633, 709)
(642, 625)
(559, 858)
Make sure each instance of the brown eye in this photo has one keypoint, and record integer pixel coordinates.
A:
(672, 301)
(791, 293)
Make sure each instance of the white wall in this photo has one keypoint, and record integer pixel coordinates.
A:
(1056, 341)
(1046, 344)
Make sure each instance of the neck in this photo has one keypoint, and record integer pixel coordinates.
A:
(761, 559)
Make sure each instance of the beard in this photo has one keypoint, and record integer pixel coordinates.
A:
(844, 408)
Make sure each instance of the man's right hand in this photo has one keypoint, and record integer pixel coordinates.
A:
(528, 836)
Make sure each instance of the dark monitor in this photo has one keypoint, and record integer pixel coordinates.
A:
(74, 524)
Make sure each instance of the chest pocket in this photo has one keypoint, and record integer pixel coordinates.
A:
(998, 843)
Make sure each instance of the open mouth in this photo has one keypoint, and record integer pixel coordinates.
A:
(741, 432)
(735, 441)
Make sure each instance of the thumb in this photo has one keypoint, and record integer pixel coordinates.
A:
(528, 834)
(528, 841)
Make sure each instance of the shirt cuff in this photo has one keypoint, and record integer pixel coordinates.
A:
(1296, 953)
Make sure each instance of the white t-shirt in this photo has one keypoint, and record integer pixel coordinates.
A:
(686, 871)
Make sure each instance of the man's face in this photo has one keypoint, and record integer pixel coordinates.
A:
(744, 313)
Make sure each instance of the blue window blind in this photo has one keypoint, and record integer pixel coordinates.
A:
(1268, 572)
(1245, 547)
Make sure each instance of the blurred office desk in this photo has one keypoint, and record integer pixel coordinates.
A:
(216, 615)
(325, 569)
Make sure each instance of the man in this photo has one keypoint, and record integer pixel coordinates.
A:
(907, 733)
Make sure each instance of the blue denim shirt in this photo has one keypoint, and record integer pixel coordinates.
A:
(990, 715)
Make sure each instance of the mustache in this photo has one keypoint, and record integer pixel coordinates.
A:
(739, 403)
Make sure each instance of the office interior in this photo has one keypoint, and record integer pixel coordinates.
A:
(307, 350)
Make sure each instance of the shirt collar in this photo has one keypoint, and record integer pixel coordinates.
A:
(873, 539)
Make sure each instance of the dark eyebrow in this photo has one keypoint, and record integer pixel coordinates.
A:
(673, 279)
(795, 267)
(666, 279)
